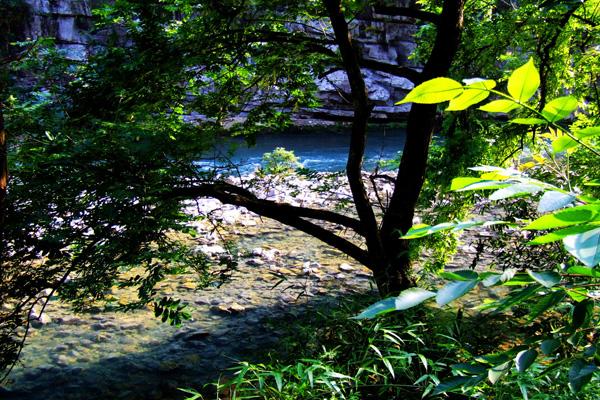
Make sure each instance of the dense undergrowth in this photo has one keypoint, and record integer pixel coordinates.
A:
(328, 355)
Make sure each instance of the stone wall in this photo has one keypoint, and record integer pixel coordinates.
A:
(384, 39)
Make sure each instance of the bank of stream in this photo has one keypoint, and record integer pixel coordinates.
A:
(133, 355)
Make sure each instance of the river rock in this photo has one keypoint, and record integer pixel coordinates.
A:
(61, 348)
(70, 320)
(210, 250)
(255, 262)
(345, 267)
(37, 320)
(192, 336)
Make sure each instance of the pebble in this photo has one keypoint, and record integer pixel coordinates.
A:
(60, 348)
(346, 267)
(202, 301)
(255, 262)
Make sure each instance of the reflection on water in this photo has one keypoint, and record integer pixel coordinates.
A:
(320, 151)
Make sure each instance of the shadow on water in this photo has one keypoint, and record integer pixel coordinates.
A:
(190, 358)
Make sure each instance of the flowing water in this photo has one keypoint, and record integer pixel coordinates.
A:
(320, 151)
(107, 355)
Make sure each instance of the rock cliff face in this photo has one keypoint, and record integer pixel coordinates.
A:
(384, 39)
(69, 22)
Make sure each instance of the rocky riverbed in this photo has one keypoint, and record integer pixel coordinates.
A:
(107, 355)
(282, 273)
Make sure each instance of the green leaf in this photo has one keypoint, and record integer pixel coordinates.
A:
(498, 371)
(499, 106)
(469, 368)
(520, 279)
(453, 290)
(580, 374)
(585, 247)
(582, 313)
(485, 184)
(528, 121)
(563, 143)
(578, 294)
(405, 300)
(381, 307)
(515, 297)
(545, 278)
(461, 182)
(585, 271)
(495, 279)
(563, 233)
(559, 108)
(568, 217)
(433, 91)
(587, 132)
(553, 200)
(517, 189)
(524, 81)
(472, 94)
(418, 231)
(462, 275)
(456, 383)
(549, 346)
(524, 359)
(411, 297)
(545, 303)
(492, 168)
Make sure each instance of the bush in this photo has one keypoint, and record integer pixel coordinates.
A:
(279, 162)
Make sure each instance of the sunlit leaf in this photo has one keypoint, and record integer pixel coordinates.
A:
(585, 247)
(578, 294)
(453, 290)
(528, 121)
(473, 94)
(545, 278)
(525, 358)
(483, 185)
(426, 230)
(587, 132)
(563, 143)
(553, 200)
(499, 106)
(517, 189)
(498, 371)
(462, 275)
(491, 168)
(585, 271)
(563, 233)
(524, 82)
(559, 108)
(564, 218)
(496, 279)
(405, 300)
(433, 91)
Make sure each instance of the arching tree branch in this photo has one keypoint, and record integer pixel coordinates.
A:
(407, 12)
(293, 216)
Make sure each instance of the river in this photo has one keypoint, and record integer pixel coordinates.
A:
(325, 150)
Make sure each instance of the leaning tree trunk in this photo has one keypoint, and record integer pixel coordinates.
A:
(3, 165)
(413, 164)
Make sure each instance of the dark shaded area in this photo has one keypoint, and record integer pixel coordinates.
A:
(158, 372)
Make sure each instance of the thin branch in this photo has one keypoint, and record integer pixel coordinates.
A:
(411, 74)
(408, 12)
(282, 212)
